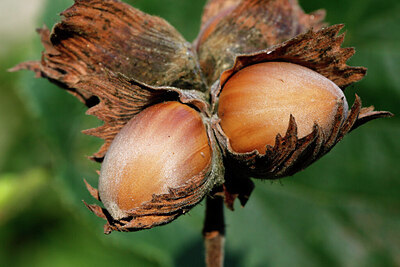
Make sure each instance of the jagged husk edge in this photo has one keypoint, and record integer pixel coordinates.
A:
(77, 60)
(165, 208)
(117, 99)
(120, 99)
(236, 186)
(291, 154)
(94, 35)
(321, 52)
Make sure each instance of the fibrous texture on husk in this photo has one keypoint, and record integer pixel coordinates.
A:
(163, 208)
(119, 61)
(97, 35)
(319, 51)
(249, 26)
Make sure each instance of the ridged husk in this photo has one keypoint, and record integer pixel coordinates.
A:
(249, 26)
(165, 208)
(90, 61)
(321, 52)
(101, 52)
(95, 35)
(120, 99)
(214, 7)
(118, 60)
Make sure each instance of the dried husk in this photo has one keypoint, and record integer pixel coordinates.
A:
(118, 60)
(249, 26)
(214, 7)
(120, 99)
(321, 52)
(94, 53)
(87, 53)
(165, 208)
(236, 186)
(96, 35)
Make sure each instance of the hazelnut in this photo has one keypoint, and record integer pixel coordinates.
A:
(161, 148)
(255, 104)
(126, 65)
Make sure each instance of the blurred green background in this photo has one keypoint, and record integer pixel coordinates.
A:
(342, 211)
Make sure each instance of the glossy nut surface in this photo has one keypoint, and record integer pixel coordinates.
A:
(255, 104)
(163, 147)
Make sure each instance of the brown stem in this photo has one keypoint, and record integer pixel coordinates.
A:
(214, 231)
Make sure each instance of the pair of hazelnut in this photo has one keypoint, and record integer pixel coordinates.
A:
(259, 94)
(167, 144)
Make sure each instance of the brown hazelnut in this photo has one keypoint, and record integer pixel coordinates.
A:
(161, 148)
(165, 148)
(255, 104)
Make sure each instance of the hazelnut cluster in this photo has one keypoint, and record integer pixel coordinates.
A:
(259, 94)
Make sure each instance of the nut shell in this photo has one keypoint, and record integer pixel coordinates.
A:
(256, 103)
(149, 177)
(122, 64)
(319, 51)
(148, 156)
